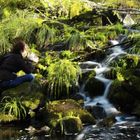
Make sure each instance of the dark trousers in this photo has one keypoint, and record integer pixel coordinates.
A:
(19, 80)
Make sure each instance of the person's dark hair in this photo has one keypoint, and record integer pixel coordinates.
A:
(18, 46)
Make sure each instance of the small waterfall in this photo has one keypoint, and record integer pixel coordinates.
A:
(100, 68)
(90, 65)
(107, 89)
(116, 51)
(107, 84)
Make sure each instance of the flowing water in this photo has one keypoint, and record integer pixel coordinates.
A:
(126, 127)
(100, 68)
(125, 130)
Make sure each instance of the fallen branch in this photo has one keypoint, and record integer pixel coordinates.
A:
(119, 44)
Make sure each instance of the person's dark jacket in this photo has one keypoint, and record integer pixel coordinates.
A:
(11, 64)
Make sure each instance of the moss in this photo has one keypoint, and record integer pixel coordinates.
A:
(28, 92)
(125, 94)
(62, 105)
(86, 117)
(67, 108)
(32, 104)
(107, 122)
(68, 125)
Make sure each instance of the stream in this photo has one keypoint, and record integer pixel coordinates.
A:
(125, 127)
(100, 69)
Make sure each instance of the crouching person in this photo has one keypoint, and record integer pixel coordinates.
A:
(12, 63)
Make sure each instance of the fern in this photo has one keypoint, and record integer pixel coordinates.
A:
(45, 35)
(76, 42)
(62, 74)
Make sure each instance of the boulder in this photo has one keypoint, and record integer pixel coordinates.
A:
(94, 87)
(17, 103)
(67, 115)
(125, 94)
(68, 125)
(97, 111)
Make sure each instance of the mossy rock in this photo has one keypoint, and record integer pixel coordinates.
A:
(121, 98)
(134, 82)
(68, 125)
(107, 122)
(18, 91)
(30, 96)
(86, 76)
(26, 89)
(111, 74)
(67, 108)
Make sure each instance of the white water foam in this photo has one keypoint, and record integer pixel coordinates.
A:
(100, 69)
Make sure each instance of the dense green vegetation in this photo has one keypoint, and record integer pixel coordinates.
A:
(62, 33)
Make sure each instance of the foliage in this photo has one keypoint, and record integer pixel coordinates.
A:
(45, 35)
(76, 41)
(64, 8)
(16, 26)
(46, 23)
(7, 118)
(66, 54)
(135, 37)
(100, 35)
(134, 50)
(62, 74)
(13, 106)
(124, 65)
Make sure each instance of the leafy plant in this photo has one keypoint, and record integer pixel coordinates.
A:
(62, 74)
(64, 8)
(45, 35)
(124, 65)
(66, 54)
(13, 106)
(76, 41)
(16, 26)
(134, 50)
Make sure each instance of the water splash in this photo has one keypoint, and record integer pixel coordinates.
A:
(99, 69)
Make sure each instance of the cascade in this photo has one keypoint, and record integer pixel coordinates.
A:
(99, 69)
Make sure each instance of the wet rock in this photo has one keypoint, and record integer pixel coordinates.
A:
(86, 77)
(97, 111)
(107, 122)
(125, 95)
(94, 87)
(45, 130)
(88, 64)
(68, 125)
(77, 97)
(66, 108)
(98, 56)
(111, 74)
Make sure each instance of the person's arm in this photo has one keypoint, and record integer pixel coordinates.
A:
(26, 66)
